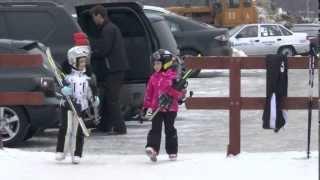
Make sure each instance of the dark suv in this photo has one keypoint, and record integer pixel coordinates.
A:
(20, 122)
(51, 24)
(45, 22)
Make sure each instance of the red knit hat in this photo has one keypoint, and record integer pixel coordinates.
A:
(80, 39)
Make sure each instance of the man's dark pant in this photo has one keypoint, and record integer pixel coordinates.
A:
(154, 135)
(111, 113)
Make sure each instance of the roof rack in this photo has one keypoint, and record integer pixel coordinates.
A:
(41, 3)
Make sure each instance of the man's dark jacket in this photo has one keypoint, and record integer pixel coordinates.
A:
(108, 51)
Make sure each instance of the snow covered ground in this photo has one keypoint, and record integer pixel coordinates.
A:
(23, 165)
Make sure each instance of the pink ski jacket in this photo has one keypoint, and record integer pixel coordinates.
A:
(160, 83)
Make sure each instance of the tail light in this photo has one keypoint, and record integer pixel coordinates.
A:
(80, 39)
(46, 85)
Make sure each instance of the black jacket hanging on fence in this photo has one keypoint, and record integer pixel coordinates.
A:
(274, 117)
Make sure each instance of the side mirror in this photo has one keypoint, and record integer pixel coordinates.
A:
(239, 36)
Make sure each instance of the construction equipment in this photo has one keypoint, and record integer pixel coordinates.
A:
(221, 13)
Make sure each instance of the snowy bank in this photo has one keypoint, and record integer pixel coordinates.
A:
(23, 165)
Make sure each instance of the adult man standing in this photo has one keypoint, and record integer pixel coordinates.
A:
(109, 62)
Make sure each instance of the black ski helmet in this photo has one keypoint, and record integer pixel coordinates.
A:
(164, 56)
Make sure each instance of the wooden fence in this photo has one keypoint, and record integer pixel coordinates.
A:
(235, 103)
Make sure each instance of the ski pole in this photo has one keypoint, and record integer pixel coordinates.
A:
(154, 114)
(311, 78)
(1, 142)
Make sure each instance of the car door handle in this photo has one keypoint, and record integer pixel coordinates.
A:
(257, 40)
(279, 39)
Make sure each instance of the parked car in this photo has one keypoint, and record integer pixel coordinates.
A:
(313, 31)
(262, 39)
(194, 38)
(46, 22)
(18, 123)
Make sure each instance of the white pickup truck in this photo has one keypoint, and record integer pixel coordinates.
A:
(262, 39)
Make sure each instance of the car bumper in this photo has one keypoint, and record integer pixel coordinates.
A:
(219, 51)
(302, 48)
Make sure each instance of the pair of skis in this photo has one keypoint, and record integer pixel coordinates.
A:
(58, 77)
(71, 135)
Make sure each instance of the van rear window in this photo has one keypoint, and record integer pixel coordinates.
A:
(28, 26)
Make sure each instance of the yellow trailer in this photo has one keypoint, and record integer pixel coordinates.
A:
(223, 13)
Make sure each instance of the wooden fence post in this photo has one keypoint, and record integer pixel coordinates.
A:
(235, 109)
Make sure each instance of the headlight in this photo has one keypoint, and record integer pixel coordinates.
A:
(221, 37)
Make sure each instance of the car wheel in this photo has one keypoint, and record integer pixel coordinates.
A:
(13, 125)
(195, 72)
(288, 51)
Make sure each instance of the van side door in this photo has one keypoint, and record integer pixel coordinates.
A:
(247, 39)
(271, 38)
(139, 37)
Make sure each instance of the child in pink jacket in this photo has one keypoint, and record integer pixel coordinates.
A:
(160, 82)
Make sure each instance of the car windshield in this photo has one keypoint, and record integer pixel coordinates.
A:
(156, 10)
(234, 30)
(196, 25)
(165, 36)
(205, 25)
